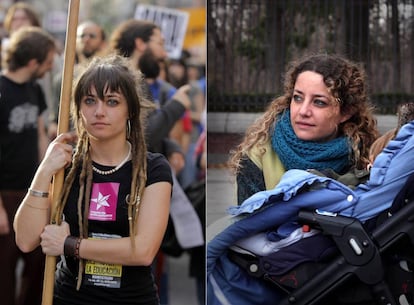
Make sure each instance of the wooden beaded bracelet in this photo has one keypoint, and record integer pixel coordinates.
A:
(71, 246)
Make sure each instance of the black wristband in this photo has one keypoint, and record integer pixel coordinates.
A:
(71, 246)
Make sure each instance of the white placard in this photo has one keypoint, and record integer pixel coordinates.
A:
(173, 24)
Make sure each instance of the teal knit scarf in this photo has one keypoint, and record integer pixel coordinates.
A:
(299, 154)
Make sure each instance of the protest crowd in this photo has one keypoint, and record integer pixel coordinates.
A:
(175, 127)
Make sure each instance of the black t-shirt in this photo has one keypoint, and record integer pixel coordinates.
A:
(20, 108)
(108, 218)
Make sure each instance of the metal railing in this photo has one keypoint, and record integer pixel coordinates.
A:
(249, 43)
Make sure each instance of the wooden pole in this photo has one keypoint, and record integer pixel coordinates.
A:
(63, 126)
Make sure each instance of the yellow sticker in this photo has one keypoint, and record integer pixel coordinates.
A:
(96, 268)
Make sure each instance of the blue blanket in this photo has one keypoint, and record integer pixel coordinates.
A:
(278, 208)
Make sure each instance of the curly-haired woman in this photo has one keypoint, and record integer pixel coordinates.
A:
(323, 121)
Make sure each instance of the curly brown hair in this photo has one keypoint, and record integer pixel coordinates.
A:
(346, 82)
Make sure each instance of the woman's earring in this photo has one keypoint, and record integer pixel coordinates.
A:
(128, 131)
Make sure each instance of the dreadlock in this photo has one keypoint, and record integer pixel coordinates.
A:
(109, 73)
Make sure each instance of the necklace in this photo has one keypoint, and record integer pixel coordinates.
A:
(111, 171)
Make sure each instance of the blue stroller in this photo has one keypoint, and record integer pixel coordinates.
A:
(356, 248)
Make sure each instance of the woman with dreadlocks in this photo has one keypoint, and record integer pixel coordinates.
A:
(115, 200)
